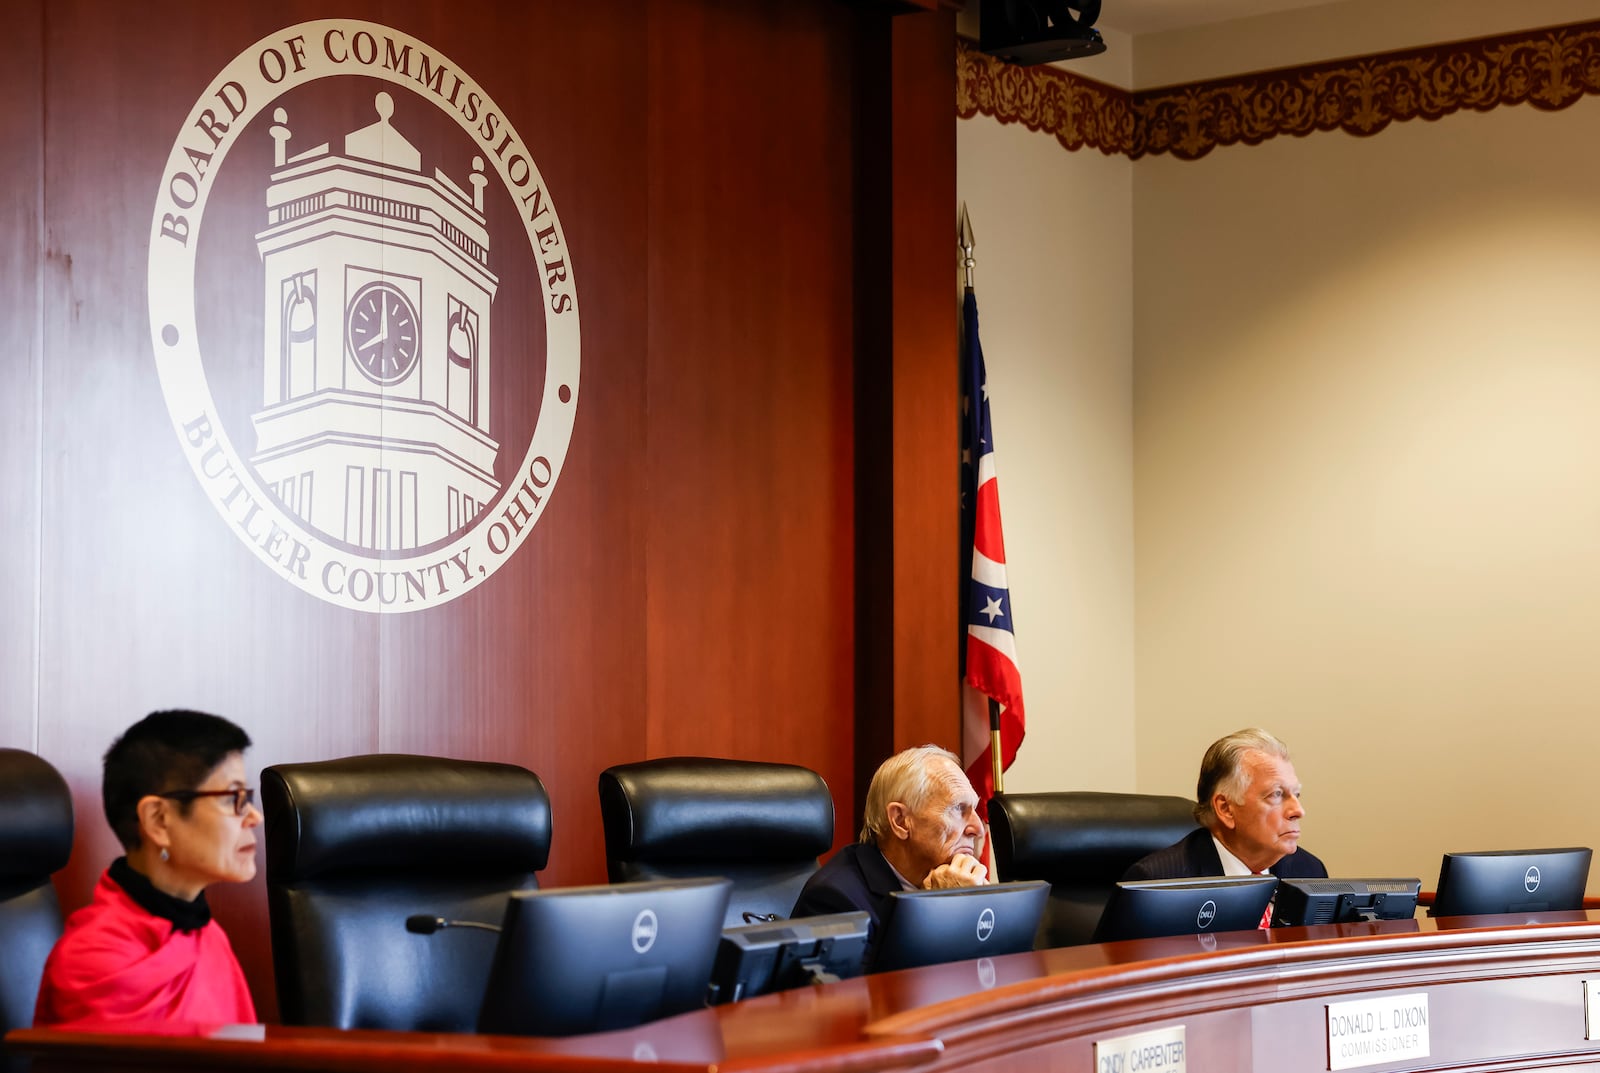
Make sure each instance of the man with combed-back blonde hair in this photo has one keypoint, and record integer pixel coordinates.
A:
(1248, 806)
(920, 831)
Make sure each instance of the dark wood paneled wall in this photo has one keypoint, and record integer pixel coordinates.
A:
(907, 384)
(691, 585)
(925, 501)
(749, 460)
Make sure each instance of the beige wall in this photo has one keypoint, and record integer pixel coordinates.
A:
(1367, 460)
(1364, 457)
(1055, 292)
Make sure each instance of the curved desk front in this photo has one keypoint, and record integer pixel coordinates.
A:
(1485, 993)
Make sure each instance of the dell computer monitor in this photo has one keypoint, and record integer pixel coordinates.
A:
(1302, 902)
(1512, 881)
(589, 959)
(760, 958)
(1150, 909)
(929, 927)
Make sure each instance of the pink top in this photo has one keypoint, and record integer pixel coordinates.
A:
(119, 964)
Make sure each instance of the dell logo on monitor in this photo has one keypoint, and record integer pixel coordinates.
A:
(1531, 880)
(985, 924)
(644, 930)
(1208, 913)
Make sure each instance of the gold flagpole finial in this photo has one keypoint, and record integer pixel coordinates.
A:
(968, 243)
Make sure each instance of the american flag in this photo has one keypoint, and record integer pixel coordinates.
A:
(989, 660)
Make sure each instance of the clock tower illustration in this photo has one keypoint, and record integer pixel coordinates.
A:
(374, 427)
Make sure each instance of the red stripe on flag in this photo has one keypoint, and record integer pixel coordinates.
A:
(987, 535)
(991, 673)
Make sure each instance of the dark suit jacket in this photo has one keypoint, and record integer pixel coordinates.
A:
(1196, 856)
(858, 877)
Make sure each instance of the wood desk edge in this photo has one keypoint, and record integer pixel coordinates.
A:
(1058, 994)
(1292, 963)
(363, 1050)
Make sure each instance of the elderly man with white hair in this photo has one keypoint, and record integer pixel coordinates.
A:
(921, 832)
(1248, 803)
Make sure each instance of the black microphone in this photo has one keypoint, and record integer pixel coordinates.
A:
(423, 924)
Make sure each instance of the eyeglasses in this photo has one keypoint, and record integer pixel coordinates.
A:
(243, 797)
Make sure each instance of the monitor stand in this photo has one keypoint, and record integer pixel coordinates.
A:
(631, 998)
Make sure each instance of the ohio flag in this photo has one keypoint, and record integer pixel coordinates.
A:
(989, 675)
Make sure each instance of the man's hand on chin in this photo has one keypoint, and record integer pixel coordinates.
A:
(963, 870)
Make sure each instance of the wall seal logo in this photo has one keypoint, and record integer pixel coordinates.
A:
(361, 463)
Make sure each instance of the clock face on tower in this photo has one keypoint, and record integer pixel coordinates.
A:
(380, 328)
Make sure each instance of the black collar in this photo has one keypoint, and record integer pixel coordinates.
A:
(185, 916)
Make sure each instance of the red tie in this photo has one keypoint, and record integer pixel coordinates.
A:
(1266, 914)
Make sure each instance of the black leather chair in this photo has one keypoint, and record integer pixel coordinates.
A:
(35, 842)
(354, 846)
(760, 825)
(1081, 843)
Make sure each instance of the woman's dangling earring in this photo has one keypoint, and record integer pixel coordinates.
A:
(164, 855)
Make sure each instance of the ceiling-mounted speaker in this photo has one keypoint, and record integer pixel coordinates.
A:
(1039, 31)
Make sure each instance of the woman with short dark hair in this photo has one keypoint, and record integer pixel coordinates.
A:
(145, 950)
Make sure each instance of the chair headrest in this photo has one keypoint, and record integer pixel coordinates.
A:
(403, 813)
(693, 808)
(35, 816)
(1041, 832)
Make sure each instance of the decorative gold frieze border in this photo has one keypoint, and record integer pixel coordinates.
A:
(1078, 111)
(1549, 69)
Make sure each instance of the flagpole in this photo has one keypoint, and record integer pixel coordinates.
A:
(968, 263)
